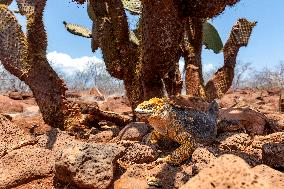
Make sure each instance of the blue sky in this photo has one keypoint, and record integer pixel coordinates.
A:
(265, 49)
(266, 46)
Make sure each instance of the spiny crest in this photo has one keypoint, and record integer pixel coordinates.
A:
(152, 105)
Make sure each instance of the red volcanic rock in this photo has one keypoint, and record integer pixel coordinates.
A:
(131, 183)
(134, 131)
(254, 122)
(116, 104)
(87, 165)
(227, 171)
(273, 177)
(137, 153)
(273, 154)
(8, 105)
(24, 165)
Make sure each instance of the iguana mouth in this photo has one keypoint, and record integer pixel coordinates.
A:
(143, 112)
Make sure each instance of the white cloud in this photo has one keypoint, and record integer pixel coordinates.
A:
(68, 65)
(208, 67)
(205, 67)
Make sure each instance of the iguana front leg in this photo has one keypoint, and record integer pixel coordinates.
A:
(184, 151)
(154, 137)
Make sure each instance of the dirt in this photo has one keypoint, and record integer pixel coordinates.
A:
(249, 148)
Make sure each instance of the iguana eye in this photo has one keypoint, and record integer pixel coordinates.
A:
(150, 106)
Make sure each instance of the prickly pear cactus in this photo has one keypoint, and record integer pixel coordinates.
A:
(239, 37)
(83, 31)
(205, 8)
(155, 48)
(27, 7)
(24, 55)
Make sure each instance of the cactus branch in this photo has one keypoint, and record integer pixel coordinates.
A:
(192, 47)
(173, 82)
(13, 44)
(113, 34)
(27, 61)
(223, 78)
(78, 30)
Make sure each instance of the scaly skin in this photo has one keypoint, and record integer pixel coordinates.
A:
(186, 126)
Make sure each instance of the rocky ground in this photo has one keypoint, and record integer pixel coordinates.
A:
(248, 152)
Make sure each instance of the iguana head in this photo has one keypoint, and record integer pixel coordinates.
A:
(154, 111)
(151, 107)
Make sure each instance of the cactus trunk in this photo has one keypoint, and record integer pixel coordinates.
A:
(173, 82)
(161, 36)
(192, 56)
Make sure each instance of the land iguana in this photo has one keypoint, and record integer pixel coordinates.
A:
(187, 126)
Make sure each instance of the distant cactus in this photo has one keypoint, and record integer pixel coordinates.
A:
(25, 57)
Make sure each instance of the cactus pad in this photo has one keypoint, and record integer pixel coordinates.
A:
(133, 6)
(13, 42)
(223, 78)
(211, 38)
(78, 30)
